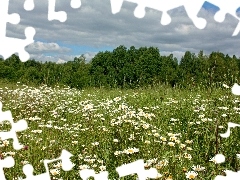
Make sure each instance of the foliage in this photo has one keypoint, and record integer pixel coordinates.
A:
(127, 68)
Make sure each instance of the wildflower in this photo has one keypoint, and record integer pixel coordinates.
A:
(88, 107)
(37, 131)
(148, 116)
(11, 153)
(156, 135)
(178, 157)
(91, 161)
(224, 115)
(171, 143)
(58, 165)
(100, 161)
(83, 167)
(163, 138)
(158, 166)
(122, 107)
(198, 168)
(131, 137)
(225, 86)
(52, 141)
(191, 175)
(102, 168)
(5, 143)
(172, 119)
(173, 138)
(201, 116)
(188, 141)
(224, 108)
(188, 156)
(116, 99)
(54, 172)
(131, 150)
(95, 143)
(24, 162)
(163, 163)
(74, 142)
(48, 126)
(145, 126)
(147, 142)
(182, 146)
(115, 140)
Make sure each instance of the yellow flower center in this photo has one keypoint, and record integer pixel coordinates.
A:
(191, 176)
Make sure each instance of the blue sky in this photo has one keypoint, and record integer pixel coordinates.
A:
(93, 28)
(210, 6)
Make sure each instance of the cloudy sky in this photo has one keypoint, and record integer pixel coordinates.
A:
(93, 28)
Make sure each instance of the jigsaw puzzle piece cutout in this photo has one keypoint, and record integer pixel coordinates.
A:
(11, 18)
(227, 7)
(192, 8)
(8, 162)
(237, 30)
(236, 89)
(21, 125)
(9, 46)
(140, 11)
(229, 175)
(116, 6)
(67, 165)
(28, 171)
(75, 4)
(137, 167)
(60, 15)
(230, 125)
(29, 5)
(53, 15)
(16, 127)
(160, 5)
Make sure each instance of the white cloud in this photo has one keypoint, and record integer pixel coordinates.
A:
(61, 61)
(93, 25)
(90, 55)
(61, 58)
(184, 29)
(40, 47)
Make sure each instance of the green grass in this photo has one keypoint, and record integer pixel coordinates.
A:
(140, 118)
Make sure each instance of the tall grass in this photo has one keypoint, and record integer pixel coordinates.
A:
(173, 130)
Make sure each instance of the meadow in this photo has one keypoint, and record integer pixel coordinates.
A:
(175, 131)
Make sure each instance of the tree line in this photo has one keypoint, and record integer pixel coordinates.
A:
(126, 68)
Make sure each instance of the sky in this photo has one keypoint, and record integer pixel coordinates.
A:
(93, 28)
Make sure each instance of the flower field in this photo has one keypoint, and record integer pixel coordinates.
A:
(174, 131)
